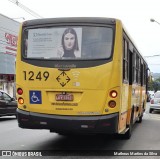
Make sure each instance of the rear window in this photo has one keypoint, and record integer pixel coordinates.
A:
(71, 42)
(157, 95)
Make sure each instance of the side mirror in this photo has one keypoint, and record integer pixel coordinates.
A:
(12, 99)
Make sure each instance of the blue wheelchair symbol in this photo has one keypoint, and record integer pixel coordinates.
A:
(35, 97)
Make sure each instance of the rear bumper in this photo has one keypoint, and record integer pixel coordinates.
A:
(155, 106)
(68, 124)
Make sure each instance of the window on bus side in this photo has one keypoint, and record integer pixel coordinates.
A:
(125, 60)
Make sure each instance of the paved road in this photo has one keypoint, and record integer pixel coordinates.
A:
(145, 136)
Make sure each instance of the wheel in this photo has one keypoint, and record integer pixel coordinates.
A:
(139, 119)
(150, 110)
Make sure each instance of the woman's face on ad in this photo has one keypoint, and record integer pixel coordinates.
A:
(69, 40)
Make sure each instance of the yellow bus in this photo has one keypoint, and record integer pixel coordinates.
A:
(79, 76)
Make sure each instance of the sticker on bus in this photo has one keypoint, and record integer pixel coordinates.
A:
(35, 97)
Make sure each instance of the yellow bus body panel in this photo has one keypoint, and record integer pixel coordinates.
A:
(90, 90)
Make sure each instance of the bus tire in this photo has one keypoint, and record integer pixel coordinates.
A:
(139, 119)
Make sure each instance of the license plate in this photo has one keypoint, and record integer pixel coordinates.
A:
(64, 97)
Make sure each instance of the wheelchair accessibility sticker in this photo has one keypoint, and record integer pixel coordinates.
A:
(35, 97)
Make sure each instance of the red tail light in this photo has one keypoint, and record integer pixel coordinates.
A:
(152, 101)
(19, 91)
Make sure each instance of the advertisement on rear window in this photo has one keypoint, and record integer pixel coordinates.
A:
(54, 43)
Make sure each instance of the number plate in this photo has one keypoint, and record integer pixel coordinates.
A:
(64, 97)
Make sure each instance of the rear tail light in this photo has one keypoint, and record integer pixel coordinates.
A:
(20, 100)
(19, 91)
(152, 101)
(112, 104)
(113, 94)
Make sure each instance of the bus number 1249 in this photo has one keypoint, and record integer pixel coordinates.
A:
(31, 76)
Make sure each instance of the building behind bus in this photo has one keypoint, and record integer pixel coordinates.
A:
(8, 47)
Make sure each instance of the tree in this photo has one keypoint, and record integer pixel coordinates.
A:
(156, 85)
(150, 85)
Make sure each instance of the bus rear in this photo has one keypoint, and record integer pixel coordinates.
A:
(68, 75)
